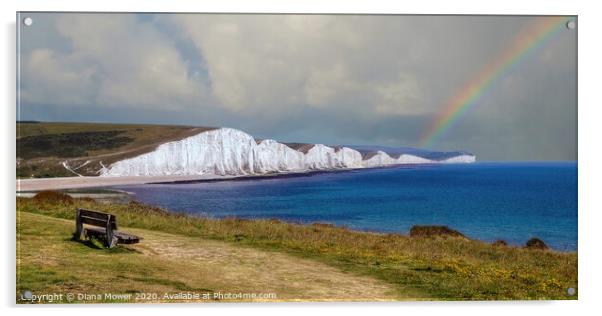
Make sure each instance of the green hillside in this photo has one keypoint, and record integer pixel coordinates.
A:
(385, 266)
(43, 147)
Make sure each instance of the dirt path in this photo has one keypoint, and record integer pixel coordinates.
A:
(291, 278)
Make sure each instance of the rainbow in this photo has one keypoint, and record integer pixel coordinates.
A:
(534, 36)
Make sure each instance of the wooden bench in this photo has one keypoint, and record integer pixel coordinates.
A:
(102, 226)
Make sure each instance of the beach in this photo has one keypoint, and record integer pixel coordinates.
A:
(62, 183)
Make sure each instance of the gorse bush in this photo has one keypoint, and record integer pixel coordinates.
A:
(536, 243)
(434, 231)
(55, 197)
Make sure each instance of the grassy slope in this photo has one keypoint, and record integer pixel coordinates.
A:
(429, 268)
(165, 263)
(144, 138)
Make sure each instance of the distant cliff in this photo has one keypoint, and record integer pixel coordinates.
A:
(227, 151)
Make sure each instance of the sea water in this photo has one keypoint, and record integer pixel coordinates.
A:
(485, 201)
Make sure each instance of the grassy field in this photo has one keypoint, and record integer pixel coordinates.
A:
(43, 147)
(392, 266)
(169, 264)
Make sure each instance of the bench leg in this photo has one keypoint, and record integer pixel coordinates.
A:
(113, 242)
(111, 238)
(79, 226)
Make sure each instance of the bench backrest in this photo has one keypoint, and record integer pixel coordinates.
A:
(95, 218)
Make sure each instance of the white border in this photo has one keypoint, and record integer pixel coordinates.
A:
(590, 208)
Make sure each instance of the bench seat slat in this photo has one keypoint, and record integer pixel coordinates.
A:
(122, 238)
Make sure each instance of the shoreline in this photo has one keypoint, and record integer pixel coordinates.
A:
(120, 196)
(88, 182)
(64, 183)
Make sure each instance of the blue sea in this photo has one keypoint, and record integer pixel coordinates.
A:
(485, 201)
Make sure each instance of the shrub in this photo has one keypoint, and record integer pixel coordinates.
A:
(433, 231)
(500, 243)
(536, 243)
(53, 197)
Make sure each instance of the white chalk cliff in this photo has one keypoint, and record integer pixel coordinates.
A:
(228, 151)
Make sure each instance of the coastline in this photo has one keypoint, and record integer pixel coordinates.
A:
(63, 183)
(41, 184)
(83, 182)
(295, 211)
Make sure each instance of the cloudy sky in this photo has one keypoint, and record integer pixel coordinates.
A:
(350, 80)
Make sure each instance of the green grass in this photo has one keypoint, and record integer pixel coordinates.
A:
(433, 268)
(49, 262)
(54, 128)
(70, 144)
(43, 146)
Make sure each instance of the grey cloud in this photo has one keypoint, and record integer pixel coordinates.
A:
(329, 79)
(113, 60)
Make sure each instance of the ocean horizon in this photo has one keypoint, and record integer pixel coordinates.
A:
(512, 201)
